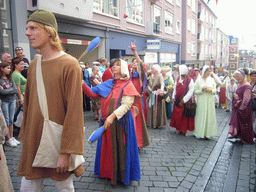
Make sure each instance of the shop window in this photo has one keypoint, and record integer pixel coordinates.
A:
(168, 22)
(157, 19)
(134, 10)
(109, 7)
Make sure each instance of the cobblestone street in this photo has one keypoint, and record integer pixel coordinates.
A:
(171, 163)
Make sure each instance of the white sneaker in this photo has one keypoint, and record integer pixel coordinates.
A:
(15, 140)
(11, 143)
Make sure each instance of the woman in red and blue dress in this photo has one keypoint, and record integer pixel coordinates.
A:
(139, 79)
(117, 154)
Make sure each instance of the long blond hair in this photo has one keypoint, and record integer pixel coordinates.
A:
(54, 37)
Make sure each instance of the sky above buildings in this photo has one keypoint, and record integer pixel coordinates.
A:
(237, 18)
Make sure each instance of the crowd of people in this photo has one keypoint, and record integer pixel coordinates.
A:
(127, 100)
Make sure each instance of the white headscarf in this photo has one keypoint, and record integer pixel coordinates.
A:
(204, 69)
(240, 72)
(124, 70)
(157, 68)
(183, 69)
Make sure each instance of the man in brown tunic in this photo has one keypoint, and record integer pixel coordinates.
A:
(63, 86)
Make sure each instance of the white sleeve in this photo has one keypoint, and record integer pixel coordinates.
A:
(190, 91)
(174, 90)
(162, 83)
(126, 104)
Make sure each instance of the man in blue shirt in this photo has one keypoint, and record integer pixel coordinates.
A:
(103, 62)
(88, 83)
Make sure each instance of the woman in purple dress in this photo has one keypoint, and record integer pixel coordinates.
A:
(241, 119)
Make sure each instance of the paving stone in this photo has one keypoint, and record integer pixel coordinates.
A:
(95, 186)
(169, 178)
(141, 189)
(145, 183)
(155, 178)
(186, 184)
(190, 178)
(174, 184)
(87, 179)
(156, 189)
(160, 184)
(149, 173)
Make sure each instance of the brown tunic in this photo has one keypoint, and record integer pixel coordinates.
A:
(63, 86)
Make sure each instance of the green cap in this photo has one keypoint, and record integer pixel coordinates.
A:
(44, 17)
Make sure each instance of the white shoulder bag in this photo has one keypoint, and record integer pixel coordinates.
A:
(49, 148)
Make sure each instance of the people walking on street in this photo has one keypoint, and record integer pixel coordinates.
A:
(20, 80)
(108, 74)
(223, 89)
(182, 94)
(156, 117)
(6, 57)
(231, 89)
(96, 80)
(61, 79)
(253, 85)
(139, 79)
(19, 54)
(169, 84)
(218, 83)
(117, 154)
(8, 91)
(103, 62)
(241, 119)
(88, 82)
(175, 73)
(205, 119)
(5, 181)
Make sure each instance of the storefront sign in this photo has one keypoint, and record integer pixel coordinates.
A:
(150, 57)
(153, 44)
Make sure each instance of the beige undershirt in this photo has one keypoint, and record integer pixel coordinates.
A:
(126, 104)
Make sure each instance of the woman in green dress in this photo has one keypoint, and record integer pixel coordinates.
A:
(205, 119)
(168, 81)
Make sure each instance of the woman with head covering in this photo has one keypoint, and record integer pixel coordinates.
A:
(117, 154)
(139, 79)
(231, 89)
(168, 81)
(183, 92)
(241, 119)
(156, 106)
(205, 119)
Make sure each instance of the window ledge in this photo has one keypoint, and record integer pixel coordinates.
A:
(107, 15)
(133, 22)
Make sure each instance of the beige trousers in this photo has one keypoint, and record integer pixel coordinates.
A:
(5, 181)
(37, 185)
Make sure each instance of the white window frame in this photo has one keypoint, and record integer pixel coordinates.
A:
(232, 66)
(193, 48)
(178, 3)
(134, 17)
(169, 29)
(193, 4)
(233, 41)
(189, 3)
(170, 1)
(100, 8)
(188, 47)
(189, 24)
(178, 29)
(193, 30)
